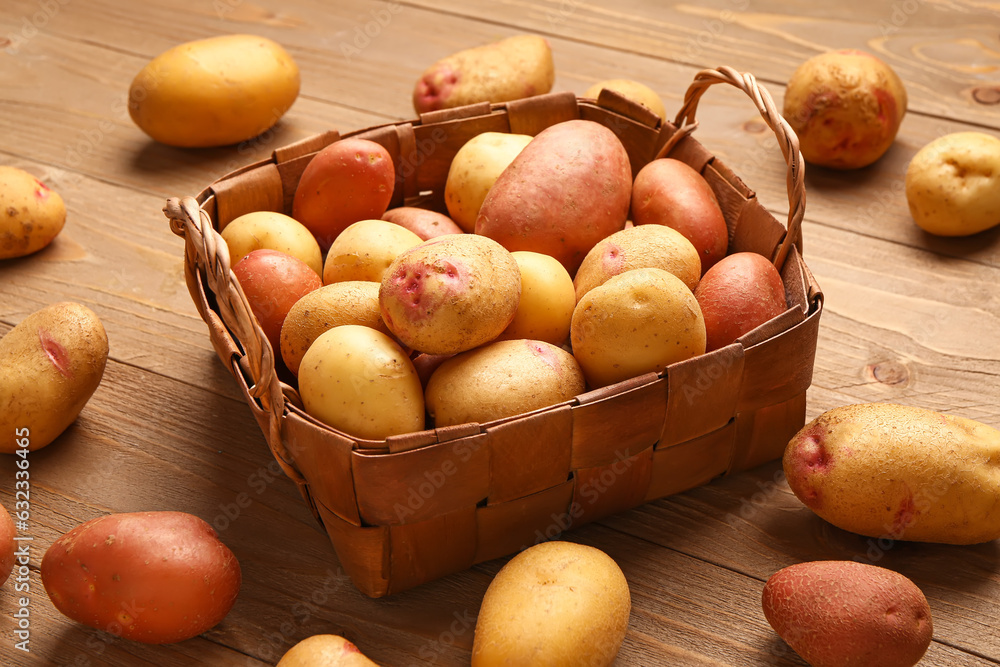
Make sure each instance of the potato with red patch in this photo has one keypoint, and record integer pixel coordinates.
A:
(31, 215)
(325, 651)
(846, 107)
(848, 614)
(900, 473)
(423, 222)
(737, 295)
(152, 577)
(51, 363)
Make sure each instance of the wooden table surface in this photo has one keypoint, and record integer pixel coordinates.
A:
(909, 318)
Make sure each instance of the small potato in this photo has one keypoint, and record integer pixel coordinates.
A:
(152, 577)
(350, 302)
(556, 603)
(474, 169)
(640, 321)
(639, 93)
(324, 651)
(545, 309)
(669, 192)
(737, 295)
(7, 546)
(899, 472)
(844, 613)
(450, 294)
(51, 363)
(500, 380)
(365, 250)
(953, 184)
(358, 380)
(275, 231)
(424, 223)
(647, 246)
(214, 92)
(511, 69)
(31, 215)
(348, 181)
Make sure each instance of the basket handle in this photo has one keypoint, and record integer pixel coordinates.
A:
(787, 140)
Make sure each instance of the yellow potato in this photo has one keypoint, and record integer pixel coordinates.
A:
(275, 231)
(500, 380)
(545, 309)
(324, 651)
(474, 169)
(633, 90)
(365, 250)
(31, 215)
(555, 604)
(637, 322)
(358, 380)
(953, 184)
(50, 365)
(214, 92)
(349, 302)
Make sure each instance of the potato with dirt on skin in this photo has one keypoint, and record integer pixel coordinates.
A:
(51, 364)
(365, 250)
(510, 69)
(501, 379)
(325, 651)
(638, 92)
(848, 614)
(473, 171)
(423, 222)
(899, 472)
(953, 184)
(274, 231)
(545, 309)
(31, 215)
(555, 603)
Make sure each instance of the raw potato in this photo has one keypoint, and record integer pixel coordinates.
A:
(274, 231)
(152, 577)
(214, 92)
(846, 107)
(633, 90)
(358, 380)
(848, 614)
(900, 473)
(511, 69)
(350, 302)
(424, 223)
(545, 309)
(450, 294)
(473, 171)
(953, 184)
(640, 321)
(324, 651)
(51, 363)
(646, 246)
(365, 250)
(31, 215)
(502, 379)
(554, 604)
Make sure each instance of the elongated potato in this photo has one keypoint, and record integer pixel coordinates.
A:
(31, 215)
(899, 472)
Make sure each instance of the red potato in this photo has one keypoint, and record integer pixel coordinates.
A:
(669, 192)
(348, 181)
(7, 545)
(153, 577)
(737, 295)
(565, 191)
(848, 614)
(273, 282)
(424, 223)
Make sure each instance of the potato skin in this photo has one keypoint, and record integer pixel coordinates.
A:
(324, 651)
(848, 614)
(153, 577)
(511, 69)
(51, 363)
(214, 92)
(545, 309)
(565, 191)
(473, 171)
(899, 472)
(556, 604)
(365, 250)
(274, 231)
(737, 295)
(423, 222)
(633, 90)
(31, 215)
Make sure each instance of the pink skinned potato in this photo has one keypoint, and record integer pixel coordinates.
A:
(7, 544)
(152, 577)
(423, 222)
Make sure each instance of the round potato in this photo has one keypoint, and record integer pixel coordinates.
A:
(474, 169)
(953, 184)
(358, 380)
(640, 321)
(31, 215)
(214, 92)
(324, 651)
(274, 231)
(500, 380)
(350, 302)
(633, 90)
(365, 250)
(545, 308)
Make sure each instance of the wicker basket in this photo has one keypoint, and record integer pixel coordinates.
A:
(412, 508)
